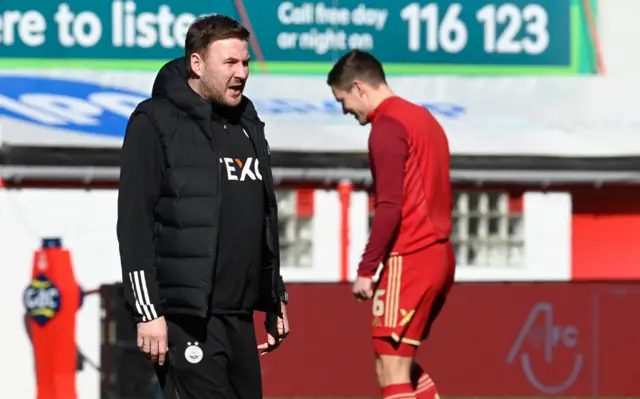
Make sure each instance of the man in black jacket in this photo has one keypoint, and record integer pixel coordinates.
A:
(197, 221)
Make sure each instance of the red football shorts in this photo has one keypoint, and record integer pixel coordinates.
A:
(411, 292)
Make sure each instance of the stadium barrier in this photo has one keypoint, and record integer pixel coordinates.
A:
(492, 340)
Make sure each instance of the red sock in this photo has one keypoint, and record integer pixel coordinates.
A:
(398, 391)
(426, 388)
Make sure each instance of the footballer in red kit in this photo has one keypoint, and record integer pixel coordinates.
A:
(410, 163)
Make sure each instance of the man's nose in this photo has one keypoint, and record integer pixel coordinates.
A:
(242, 72)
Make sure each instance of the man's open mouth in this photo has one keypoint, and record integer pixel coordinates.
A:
(236, 89)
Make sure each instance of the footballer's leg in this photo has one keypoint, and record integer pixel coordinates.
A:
(394, 309)
(414, 289)
(392, 369)
(399, 374)
(425, 387)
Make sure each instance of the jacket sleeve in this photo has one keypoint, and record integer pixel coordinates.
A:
(141, 170)
(281, 288)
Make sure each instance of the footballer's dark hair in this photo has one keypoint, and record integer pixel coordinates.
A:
(356, 65)
(208, 29)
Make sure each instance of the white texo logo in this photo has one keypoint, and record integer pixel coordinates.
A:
(240, 170)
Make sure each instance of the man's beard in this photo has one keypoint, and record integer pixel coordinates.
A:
(212, 92)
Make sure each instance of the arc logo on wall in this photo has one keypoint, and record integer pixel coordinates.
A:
(546, 336)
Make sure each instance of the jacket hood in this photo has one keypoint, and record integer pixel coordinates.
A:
(171, 84)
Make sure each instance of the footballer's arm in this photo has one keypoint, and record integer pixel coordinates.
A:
(388, 148)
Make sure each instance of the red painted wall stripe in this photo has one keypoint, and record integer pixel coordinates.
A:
(604, 234)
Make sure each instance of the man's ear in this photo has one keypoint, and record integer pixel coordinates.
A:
(197, 64)
(358, 86)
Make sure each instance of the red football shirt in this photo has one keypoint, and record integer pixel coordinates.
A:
(410, 162)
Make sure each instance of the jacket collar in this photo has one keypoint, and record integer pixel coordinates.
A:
(382, 108)
(172, 84)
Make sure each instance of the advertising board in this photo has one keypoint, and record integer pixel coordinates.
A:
(541, 116)
(450, 36)
(492, 340)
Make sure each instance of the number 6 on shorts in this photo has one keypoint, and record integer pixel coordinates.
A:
(378, 303)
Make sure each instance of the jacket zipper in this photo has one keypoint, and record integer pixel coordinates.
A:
(216, 154)
(271, 203)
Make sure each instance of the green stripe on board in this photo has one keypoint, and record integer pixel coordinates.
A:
(576, 38)
(296, 67)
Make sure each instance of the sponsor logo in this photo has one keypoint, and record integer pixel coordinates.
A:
(546, 337)
(241, 170)
(42, 300)
(277, 106)
(98, 109)
(67, 104)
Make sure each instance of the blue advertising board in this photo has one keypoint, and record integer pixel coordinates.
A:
(94, 108)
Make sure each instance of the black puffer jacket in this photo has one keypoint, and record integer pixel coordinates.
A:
(169, 202)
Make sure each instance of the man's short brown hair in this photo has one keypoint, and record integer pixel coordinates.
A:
(356, 65)
(208, 29)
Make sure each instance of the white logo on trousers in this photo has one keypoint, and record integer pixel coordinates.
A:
(193, 353)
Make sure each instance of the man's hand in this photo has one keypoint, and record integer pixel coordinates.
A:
(152, 339)
(363, 288)
(277, 334)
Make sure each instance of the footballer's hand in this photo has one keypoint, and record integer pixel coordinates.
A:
(363, 288)
(152, 339)
(275, 334)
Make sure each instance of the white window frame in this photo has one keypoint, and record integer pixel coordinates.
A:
(547, 239)
(325, 237)
(546, 235)
(473, 214)
(297, 235)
